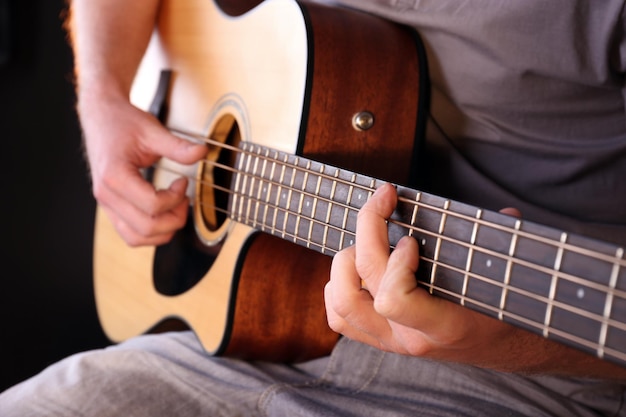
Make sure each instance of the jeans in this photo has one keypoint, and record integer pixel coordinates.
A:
(170, 375)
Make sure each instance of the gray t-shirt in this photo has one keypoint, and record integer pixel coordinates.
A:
(528, 106)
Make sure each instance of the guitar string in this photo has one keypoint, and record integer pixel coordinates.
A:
(539, 326)
(616, 261)
(501, 285)
(550, 271)
(557, 244)
(406, 226)
(610, 259)
(513, 231)
(420, 205)
(591, 343)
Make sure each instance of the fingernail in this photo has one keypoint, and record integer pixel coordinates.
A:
(380, 189)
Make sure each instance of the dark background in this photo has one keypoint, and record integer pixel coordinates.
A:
(46, 294)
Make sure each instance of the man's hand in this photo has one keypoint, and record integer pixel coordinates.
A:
(120, 140)
(373, 297)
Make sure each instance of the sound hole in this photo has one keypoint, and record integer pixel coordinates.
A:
(216, 175)
(181, 263)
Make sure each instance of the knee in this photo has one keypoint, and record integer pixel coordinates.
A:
(83, 384)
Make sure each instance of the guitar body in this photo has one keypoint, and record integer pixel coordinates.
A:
(283, 74)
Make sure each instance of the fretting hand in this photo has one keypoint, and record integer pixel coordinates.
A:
(373, 297)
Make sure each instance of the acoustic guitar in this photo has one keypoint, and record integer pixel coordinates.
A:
(306, 109)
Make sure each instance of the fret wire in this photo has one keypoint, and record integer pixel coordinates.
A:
(615, 353)
(496, 226)
(444, 215)
(608, 305)
(316, 196)
(268, 192)
(433, 271)
(283, 195)
(259, 190)
(414, 213)
(247, 180)
(259, 193)
(520, 262)
(470, 257)
(346, 213)
(301, 200)
(328, 211)
(288, 197)
(236, 192)
(412, 227)
(509, 266)
(513, 246)
(253, 180)
(279, 192)
(244, 183)
(479, 215)
(553, 284)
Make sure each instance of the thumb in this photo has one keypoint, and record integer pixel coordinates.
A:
(163, 142)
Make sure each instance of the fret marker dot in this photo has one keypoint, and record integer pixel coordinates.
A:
(351, 242)
(423, 242)
(489, 263)
(580, 293)
(308, 203)
(284, 196)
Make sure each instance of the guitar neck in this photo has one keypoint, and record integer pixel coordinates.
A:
(563, 286)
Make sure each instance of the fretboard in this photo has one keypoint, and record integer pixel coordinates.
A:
(566, 287)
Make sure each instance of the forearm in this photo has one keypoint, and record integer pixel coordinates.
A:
(109, 38)
(533, 354)
(514, 350)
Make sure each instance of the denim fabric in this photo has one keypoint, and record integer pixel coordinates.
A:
(170, 375)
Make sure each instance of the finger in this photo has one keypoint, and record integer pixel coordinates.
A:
(130, 235)
(161, 142)
(348, 306)
(397, 298)
(129, 185)
(157, 142)
(511, 211)
(138, 228)
(401, 300)
(372, 241)
(134, 239)
(345, 282)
